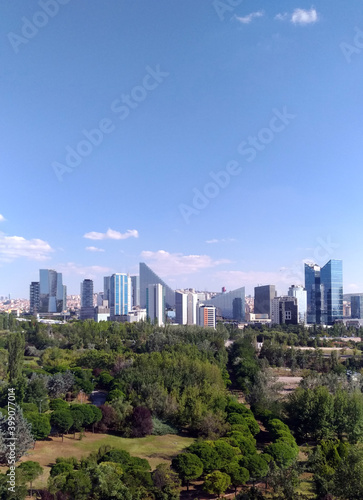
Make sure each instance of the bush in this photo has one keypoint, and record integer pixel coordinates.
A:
(160, 428)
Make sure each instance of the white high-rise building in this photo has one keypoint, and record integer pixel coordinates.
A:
(300, 293)
(155, 303)
(186, 308)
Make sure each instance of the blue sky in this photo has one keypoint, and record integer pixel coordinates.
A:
(120, 118)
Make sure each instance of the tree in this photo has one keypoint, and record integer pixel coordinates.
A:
(58, 404)
(207, 454)
(31, 470)
(166, 482)
(141, 422)
(348, 478)
(21, 434)
(188, 466)
(239, 475)
(16, 346)
(216, 483)
(40, 425)
(36, 392)
(282, 452)
(62, 421)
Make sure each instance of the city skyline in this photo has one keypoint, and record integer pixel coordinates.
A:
(220, 147)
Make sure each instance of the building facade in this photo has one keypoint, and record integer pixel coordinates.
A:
(263, 297)
(223, 303)
(356, 305)
(206, 316)
(120, 294)
(51, 292)
(148, 277)
(87, 309)
(155, 304)
(34, 297)
(299, 292)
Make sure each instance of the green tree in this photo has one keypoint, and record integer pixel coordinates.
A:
(62, 420)
(30, 470)
(40, 425)
(16, 346)
(282, 452)
(348, 478)
(188, 466)
(217, 483)
(239, 475)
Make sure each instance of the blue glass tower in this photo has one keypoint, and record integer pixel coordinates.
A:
(331, 278)
(324, 287)
(120, 294)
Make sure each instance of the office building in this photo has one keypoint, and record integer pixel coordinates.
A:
(223, 303)
(263, 297)
(87, 309)
(324, 287)
(331, 278)
(52, 297)
(135, 283)
(137, 315)
(206, 316)
(120, 294)
(148, 277)
(299, 292)
(107, 288)
(155, 304)
(238, 309)
(102, 312)
(34, 297)
(284, 310)
(356, 306)
(186, 307)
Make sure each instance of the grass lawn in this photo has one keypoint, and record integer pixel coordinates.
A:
(156, 449)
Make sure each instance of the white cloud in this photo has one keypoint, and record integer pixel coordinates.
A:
(14, 247)
(301, 16)
(282, 17)
(110, 234)
(2, 218)
(95, 249)
(223, 240)
(174, 264)
(249, 18)
(70, 269)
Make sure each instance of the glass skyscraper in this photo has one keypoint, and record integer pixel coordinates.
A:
(225, 305)
(51, 292)
(331, 279)
(148, 277)
(324, 287)
(120, 294)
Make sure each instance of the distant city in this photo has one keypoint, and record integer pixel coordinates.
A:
(125, 298)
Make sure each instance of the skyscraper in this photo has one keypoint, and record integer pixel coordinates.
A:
(106, 288)
(51, 291)
(34, 297)
(148, 277)
(299, 292)
(155, 303)
(186, 308)
(284, 310)
(120, 294)
(87, 309)
(263, 297)
(324, 287)
(331, 278)
(135, 282)
(356, 302)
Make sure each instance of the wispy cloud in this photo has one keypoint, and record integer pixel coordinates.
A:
(2, 218)
(249, 18)
(95, 249)
(175, 264)
(110, 234)
(299, 16)
(14, 247)
(223, 240)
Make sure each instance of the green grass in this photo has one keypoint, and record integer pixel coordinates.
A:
(156, 449)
